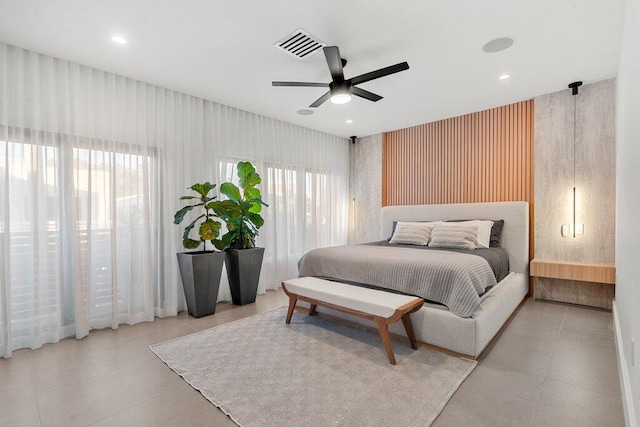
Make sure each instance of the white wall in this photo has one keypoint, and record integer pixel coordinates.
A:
(627, 302)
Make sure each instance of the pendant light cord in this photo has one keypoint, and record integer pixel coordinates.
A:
(574, 166)
(574, 141)
(574, 91)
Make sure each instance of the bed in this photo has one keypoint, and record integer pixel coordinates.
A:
(465, 329)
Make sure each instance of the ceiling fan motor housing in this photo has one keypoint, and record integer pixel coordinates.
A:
(339, 87)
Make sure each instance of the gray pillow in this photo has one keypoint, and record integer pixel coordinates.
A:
(496, 234)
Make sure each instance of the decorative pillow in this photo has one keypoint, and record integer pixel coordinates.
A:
(454, 237)
(411, 233)
(496, 234)
(431, 224)
(484, 230)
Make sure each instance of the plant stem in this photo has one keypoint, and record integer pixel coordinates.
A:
(206, 218)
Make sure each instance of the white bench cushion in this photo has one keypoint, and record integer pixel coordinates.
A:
(371, 301)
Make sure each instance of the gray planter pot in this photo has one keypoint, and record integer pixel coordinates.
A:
(243, 270)
(200, 272)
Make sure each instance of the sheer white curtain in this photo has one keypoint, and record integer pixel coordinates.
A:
(91, 169)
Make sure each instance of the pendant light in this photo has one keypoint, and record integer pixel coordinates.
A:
(573, 229)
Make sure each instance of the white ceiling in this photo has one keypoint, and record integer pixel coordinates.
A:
(222, 50)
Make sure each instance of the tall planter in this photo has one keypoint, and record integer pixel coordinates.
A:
(200, 272)
(243, 270)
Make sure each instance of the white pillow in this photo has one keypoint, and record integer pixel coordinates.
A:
(454, 237)
(483, 239)
(411, 233)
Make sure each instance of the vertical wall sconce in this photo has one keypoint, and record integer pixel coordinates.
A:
(573, 229)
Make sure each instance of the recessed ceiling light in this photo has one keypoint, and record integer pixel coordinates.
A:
(504, 76)
(498, 44)
(305, 112)
(119, 39)
(349, 121)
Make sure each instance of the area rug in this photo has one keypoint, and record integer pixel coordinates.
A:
(315, 372)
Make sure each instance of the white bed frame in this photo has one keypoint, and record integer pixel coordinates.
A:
(434, 324)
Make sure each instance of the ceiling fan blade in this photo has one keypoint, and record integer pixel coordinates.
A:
(332, 54)
(300, 84)
(320, 100)
(365, 94)
(379, 73)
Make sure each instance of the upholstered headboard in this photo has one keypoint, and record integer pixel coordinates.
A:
(515, 234)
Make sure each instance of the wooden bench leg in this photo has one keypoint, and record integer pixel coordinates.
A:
(312, 310)
(383, 329)
(408, 326)
(292, 305)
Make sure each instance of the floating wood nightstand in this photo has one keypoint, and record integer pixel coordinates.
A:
(568, 270)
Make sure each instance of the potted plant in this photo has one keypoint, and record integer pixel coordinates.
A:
(200, 270)
(241, 214)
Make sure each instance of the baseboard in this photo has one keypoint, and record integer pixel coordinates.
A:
(623, 373)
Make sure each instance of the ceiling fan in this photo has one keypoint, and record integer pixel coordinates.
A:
(340, 90)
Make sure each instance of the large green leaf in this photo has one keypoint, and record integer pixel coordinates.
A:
(190, 243)
(219, 244)
(245, 169)
(244, 207)
(231, 191)
(249, 182)
(248, 176)
(209, 229)
(226, 209)
(179, 216)
(252, 194)
(233, 225)
(223, 243)
(203, 189)
(187, 230)
(255, 208)
(189, 227)
(256, 219)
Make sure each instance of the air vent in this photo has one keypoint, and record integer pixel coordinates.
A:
(300, 44)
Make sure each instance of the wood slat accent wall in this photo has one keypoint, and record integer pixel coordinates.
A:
(480, 157)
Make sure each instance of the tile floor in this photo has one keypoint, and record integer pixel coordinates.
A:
(552, 365)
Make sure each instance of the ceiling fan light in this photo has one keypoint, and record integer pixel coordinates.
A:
(340, 98)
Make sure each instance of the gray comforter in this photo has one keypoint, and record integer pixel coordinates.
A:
(454, 279)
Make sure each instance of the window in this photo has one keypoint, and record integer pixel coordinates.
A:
(75, 217)
(111, 192)
(30, 221)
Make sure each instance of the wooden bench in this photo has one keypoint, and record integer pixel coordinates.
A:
(384, 308)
